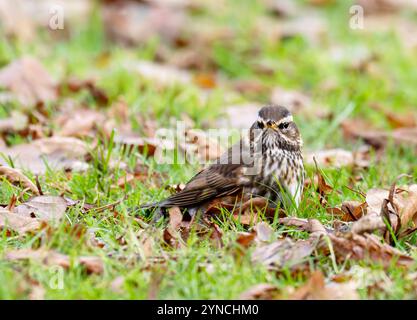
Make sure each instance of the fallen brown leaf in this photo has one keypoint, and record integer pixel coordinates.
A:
(49, 257)
(201, 145)
(33, 15)
(395, 119)
(261, 233)
(215, 233)
(245, 239)
(150, 145)
(337, 158)
(37, 292)
(283, 253)
(18, 223)
(350, 210)
(283, 8)
(16, 122)
(317, 289)
(79, 122)
(239, 116)
(398, 206)
(367, 247)
(117, 284)
(352, 246)
(323, 189)
(16, 176)
(132, 23)
(250, 87)
(162, 75)
(409, 211)
(175, 218)
(157, 275)
(58, 152)
(264, 232)
(205, 80)
(262, 291)
(309, 25)
(356, 129)
(44, 208)
(293, 100)
(195, 58)
(28, 81)
(386, 6)
(321, 2)
(76, 85)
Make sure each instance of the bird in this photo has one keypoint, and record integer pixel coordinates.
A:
(267, 162)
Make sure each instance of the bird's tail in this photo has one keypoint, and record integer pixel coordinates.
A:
(149, 205)
(145, 206)
(152, 210)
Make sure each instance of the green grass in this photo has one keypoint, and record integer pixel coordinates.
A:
(201, 270)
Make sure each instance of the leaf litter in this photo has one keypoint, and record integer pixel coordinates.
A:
(371, 227)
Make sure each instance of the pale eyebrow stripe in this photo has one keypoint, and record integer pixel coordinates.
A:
(286, 119)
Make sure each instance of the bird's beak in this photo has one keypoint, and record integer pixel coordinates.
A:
(272, 126)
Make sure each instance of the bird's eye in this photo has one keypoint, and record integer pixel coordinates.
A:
(283, 125)
(261, 125)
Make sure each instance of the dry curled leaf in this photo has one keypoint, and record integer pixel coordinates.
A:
(409, 210)
(16, 122)
(18, 223)
(37, 292)
(245, 239)
(16, 176)
(98, 94)
(35, 14)
(117, 284)
(337, 158)
(350, 210)
(132, 23)
(323, 189)
(386, 6)
(58, 153)
(264, 232)
(398, 207)
(45, 208)
(367, 247)
(316, 288)
(239, 116)
(28, 81)
(350, 245)
(261, 233)
(359, 130)
(50, 257)
(354, 209)
(148, 145)
(262, 291)
(200, 144)
(79, 122)
(282, 8)
(175, 218)
(395, 119)
(216, 234)
(295, 101)
(162, 75)
(283, 253)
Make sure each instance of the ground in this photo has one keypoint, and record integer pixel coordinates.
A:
(137, 263)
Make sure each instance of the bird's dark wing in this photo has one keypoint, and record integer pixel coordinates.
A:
(222, 178)
(215, 181)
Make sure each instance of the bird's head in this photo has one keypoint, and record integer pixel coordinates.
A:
(277, 126)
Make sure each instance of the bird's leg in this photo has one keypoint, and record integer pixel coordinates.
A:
(159, 214)
(193, 211)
